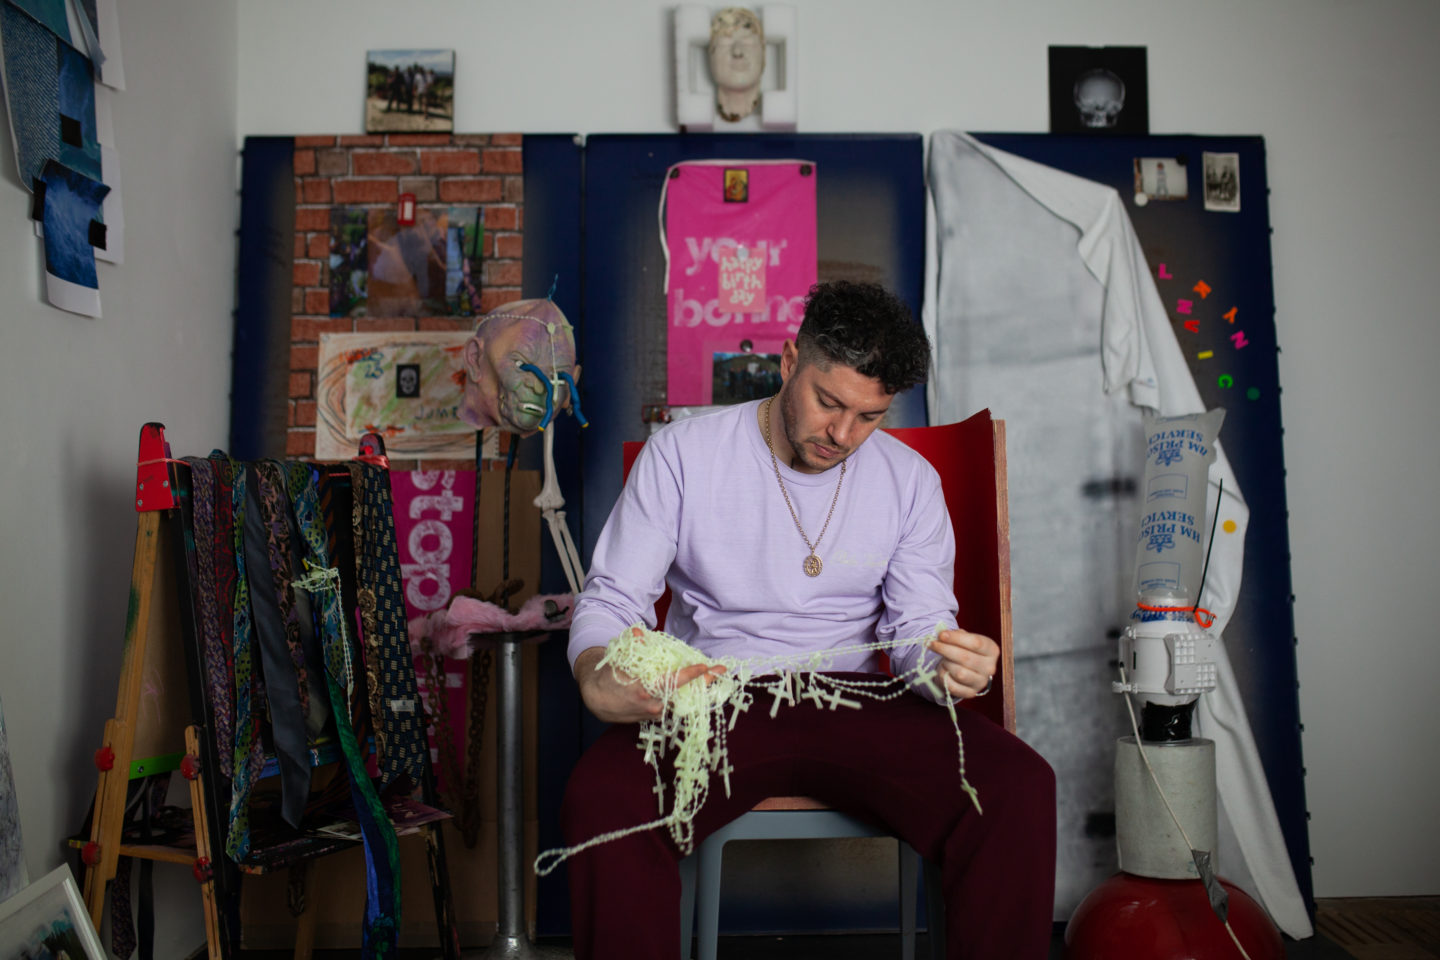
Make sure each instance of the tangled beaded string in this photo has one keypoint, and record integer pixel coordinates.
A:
(698, 715)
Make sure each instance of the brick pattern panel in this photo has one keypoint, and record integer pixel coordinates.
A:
(373, 170)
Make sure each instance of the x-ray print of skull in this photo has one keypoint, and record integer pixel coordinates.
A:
(1099, 97)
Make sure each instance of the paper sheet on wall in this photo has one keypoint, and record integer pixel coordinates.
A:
(112, 213)
(405, 386)
(50, 95)
(72, 202)
(100, 27)
(741, 249)
(50, 14)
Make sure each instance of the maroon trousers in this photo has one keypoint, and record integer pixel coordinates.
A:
(892, 762)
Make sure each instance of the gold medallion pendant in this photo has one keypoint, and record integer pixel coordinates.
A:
(812, 566)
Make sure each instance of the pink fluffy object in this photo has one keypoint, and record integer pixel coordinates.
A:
(449, 630)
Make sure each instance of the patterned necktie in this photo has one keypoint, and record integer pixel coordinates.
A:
(219, 677)
(249, 752)
(274, 508)
(276, 632)
(382, 854)
(394, 698)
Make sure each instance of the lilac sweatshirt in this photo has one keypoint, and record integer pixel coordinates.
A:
(702, 511)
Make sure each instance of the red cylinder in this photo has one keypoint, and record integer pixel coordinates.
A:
(1141, 918)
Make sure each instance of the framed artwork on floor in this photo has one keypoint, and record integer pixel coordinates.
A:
(48, 919)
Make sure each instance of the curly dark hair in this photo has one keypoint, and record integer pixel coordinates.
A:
(865, 327)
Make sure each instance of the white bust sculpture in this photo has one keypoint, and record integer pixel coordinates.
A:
(737, 61)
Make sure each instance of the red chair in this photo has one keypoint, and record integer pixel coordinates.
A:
(970, 458)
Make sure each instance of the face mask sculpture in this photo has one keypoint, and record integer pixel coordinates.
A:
(520, 367)
(520, 372)
(737, 61)
(1099, 96)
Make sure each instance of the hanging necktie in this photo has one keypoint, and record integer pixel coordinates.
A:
(382, 854)
(144, 806)
(249, 753)
(219, 670)
(276, 631)
(365, 607)
(394, 697)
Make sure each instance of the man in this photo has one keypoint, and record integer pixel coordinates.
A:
(786, 525)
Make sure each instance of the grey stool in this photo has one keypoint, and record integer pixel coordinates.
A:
(700, 872)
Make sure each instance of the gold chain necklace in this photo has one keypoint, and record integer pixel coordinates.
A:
(813, 564)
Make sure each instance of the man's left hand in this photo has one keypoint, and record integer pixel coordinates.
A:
(967, 662)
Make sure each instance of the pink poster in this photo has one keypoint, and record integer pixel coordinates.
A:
(740, 238)
(435, 527)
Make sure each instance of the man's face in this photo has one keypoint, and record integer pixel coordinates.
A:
(827, 414)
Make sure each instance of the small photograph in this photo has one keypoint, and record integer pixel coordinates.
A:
(410, 91)
(464, 239)
(1099, 90)
(349, 261)
(1160, 178)
(1222, 182)
(737, 186)
(742, 376)
(47, 920)
(407, 265)
(72, 203)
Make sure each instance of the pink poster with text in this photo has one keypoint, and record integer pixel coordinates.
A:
(742, 250)
(435, 527)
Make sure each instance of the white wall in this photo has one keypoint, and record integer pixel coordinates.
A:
(1344, 94)
(75, 391)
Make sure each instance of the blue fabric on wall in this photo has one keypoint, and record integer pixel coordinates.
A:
(71, 202)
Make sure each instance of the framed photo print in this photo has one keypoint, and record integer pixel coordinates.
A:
(48, 919)
(1100, 90)
(410, 91)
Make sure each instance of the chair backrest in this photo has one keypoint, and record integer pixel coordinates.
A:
(970, 458)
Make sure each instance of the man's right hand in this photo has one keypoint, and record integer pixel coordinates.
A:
(615, 697)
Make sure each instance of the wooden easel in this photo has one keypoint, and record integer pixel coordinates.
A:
(156, 730)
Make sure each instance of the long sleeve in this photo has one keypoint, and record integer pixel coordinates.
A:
(635, 549)
(918, 590)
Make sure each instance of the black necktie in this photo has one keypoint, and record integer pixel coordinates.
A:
(399, 730)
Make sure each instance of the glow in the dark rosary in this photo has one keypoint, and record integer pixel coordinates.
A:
(698, 715)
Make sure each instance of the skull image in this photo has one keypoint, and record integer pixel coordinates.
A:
(1099, 96)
